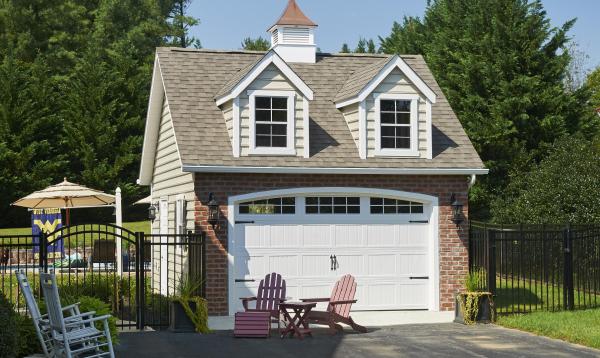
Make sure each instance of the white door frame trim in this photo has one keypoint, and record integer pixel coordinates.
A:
(434, 268)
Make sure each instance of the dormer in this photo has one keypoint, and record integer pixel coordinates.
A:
(266, 109)
(387, 108)
(292, 36)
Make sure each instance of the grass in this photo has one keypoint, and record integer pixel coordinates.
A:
(531, 296)
(581, 327)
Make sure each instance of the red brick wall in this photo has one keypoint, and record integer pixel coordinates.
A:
(453, 241)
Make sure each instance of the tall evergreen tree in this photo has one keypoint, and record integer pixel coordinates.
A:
(502, 67)
(345, 48)
(181, 22)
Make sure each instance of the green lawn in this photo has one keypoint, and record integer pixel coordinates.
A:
(581, 327)
(518, 296)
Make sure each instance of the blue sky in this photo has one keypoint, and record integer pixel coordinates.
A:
(224, 23)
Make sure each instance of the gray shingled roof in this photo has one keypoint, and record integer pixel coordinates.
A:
(193, 78)
(360, 78)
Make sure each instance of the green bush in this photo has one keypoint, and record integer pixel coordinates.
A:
(8, 334)
(27, 342)
(474, 280)
(101, 308)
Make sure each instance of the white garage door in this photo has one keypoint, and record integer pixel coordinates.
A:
(312, 245)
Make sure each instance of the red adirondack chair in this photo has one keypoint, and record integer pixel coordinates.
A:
(338, 310)
(271, 292)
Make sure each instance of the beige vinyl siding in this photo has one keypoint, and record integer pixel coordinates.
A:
(168, 181)
(397, 83)
(351, 116)
(227, 109)
(270, 79)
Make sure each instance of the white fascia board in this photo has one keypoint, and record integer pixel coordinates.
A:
(157, 93)
(395, 62)
(270, 58)
(307, 170)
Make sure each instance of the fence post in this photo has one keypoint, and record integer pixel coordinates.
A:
(204, 277)
(140, 280)
(568, 289)
(491, 261)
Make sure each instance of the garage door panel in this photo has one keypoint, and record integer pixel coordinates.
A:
(245, 266)
(381, 295)
(412, 264)
(414, 235)
(381, 236)
(382, 265)
(348, 236)
(283, 236)
(414, 294)
(285, 265)
(316, 236)
(350, 263)
(316, 265)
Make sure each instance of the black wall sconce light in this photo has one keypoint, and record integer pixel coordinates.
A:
(213, 210)
(152, 212)
(457, 206)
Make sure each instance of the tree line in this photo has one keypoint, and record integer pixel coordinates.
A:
(76, 75)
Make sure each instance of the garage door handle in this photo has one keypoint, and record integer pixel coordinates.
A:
(244, 280)
(419, 277)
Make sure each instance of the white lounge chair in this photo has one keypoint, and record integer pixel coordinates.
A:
(41, 323)
(70, 338)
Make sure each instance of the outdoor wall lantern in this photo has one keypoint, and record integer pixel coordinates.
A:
(152, 212)
(457, 207)
(213, 210)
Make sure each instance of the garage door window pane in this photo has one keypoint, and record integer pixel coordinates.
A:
(332, 205)
(394, 206)
(272, 206)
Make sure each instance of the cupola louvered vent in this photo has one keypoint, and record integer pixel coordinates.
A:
(275, 37)
(299, 35)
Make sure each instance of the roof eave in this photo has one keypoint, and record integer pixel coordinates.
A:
(157, 93)
(332, 170)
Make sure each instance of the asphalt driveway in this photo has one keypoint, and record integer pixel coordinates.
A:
(432, 340)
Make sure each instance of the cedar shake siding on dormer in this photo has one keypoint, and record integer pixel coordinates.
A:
(397, 83)
(271, 80)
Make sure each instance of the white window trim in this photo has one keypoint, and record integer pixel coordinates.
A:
(414, 126)
(180, 214)
(291, 119)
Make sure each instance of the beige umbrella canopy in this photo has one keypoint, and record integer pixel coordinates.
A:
(65, 195)
(146, 200)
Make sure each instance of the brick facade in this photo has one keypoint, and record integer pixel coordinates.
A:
(453, 241)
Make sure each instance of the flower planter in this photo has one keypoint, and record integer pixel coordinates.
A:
(485, 308)
(179, 322)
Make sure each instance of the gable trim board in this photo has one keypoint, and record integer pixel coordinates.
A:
(323, 170)
(394, 62)
(270, 58)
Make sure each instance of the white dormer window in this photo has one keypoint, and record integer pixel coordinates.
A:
(272, 122)
(396, 125)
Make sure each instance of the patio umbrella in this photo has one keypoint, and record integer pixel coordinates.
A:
(66, 195)
(146, 200)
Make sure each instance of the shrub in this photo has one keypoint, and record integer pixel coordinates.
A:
(474, 280)
(27, 341)
(101, 308)
(8, 335)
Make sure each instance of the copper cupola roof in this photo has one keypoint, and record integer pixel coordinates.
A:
(292, 15)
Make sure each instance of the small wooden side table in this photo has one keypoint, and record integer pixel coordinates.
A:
(297, 324)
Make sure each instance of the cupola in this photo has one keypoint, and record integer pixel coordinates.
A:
(292, 36)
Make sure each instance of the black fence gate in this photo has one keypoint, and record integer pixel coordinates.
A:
(537, 267)
(136, 279)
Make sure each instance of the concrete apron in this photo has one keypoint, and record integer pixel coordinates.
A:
(364, 318)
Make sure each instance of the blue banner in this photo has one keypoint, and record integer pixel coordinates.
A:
(47, 221)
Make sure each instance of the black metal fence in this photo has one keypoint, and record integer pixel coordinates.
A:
(137, 287)
(537, 267)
